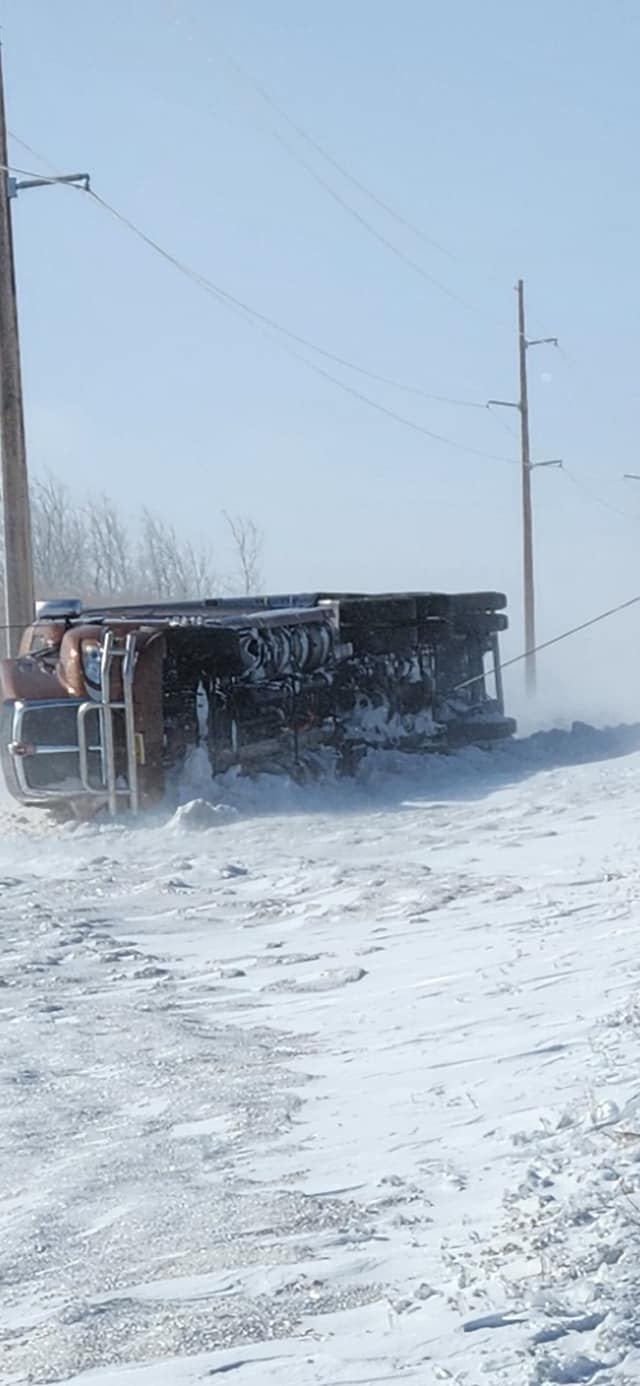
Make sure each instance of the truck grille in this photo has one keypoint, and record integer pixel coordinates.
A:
(46, 752)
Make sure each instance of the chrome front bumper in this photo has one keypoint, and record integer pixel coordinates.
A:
(41, 750)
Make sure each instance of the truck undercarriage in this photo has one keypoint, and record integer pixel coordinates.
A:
(102, 705)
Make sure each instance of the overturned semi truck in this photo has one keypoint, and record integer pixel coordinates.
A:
(102, 706)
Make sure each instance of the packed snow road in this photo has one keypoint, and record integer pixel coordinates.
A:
(336, 1085)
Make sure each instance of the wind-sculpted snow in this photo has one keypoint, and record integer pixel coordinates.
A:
(329, 1084)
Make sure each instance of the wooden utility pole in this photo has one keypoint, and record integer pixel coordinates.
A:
(16, 509)
(18, 559)
(527, 518)
(527, 510)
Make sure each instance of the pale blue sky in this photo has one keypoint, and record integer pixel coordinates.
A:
(507, 132)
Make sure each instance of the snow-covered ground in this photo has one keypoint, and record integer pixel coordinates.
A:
(330, 1085)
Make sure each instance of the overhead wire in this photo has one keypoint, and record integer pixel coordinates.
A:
(598, 500)
(35, 154)
(335, 163)
(254, 314)
(253, 82)
(257, 317)
(555, 640)
(337, 359)
(583, 376)
(368, 225)
(495, 414)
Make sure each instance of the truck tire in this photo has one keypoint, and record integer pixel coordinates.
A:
(367, 612)
(478, 601)
(480, 623)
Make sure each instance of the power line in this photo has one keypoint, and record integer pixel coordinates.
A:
(587, 378)
(338, 360)
(34, 152)
(352, 211)
(255, 315)
(263, 320)
(348, 207)
(42, 177)
(368, 225)
(556, 640)
(331, 356)
(499, 419)
(598, 500)
(314, 144)
(399, 418)
(335, 164)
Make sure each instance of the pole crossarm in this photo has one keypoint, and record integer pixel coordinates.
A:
(15, 185)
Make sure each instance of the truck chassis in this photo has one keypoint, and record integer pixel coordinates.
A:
(102, 705)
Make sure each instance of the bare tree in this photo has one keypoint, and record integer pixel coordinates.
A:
(88, 550)
(109, 559)
(248, 543)
(159, 562)
(169, 570)
(201, 578)
(59, 539)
